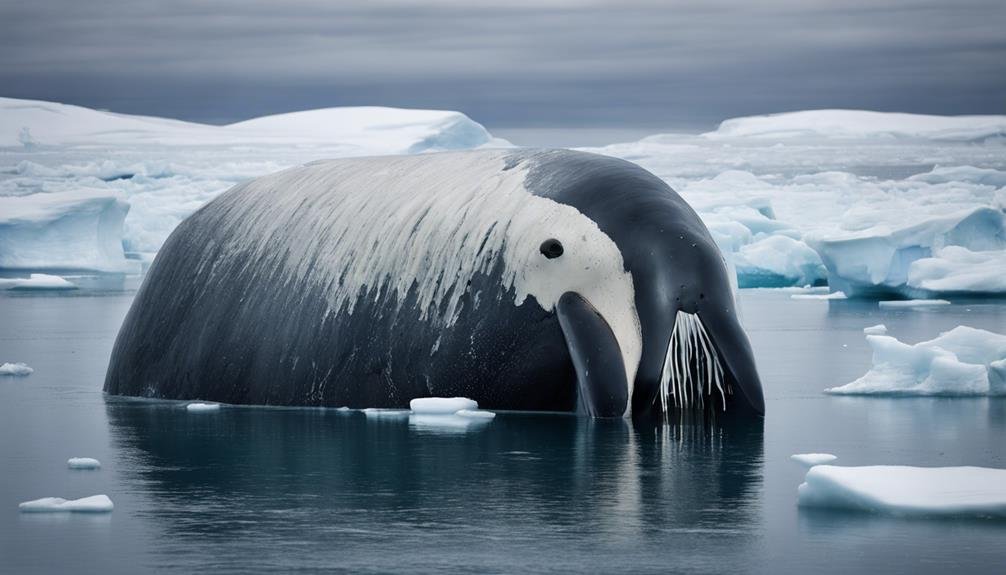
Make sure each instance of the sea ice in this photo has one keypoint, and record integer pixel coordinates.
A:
(903, 490)
(442, 405)
(879, 329)
(913, 303)
(83, 463)
(812, 459)
(37, 282)
(92, 504)
(961, 362)
(202, 407)
(15, 369)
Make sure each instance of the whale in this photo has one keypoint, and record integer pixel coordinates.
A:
(525, 279)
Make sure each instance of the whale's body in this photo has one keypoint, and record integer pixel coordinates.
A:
(369, 282)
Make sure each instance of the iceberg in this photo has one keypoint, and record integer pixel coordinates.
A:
(812, 459)
(66, 230)
(907, 491)
(198, 407)
(92, 504)
(961, 362)
(83, 463)
(442, 405)
(861, 124)
(21, 369)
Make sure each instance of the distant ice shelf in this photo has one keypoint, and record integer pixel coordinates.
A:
(907, 491)
(961, 362)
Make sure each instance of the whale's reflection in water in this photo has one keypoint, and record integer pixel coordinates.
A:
(267, 489)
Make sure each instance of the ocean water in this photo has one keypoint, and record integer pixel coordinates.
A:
(248, 490)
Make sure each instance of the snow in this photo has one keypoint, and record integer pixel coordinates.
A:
(92, 504)
(442, 405)
(812, 459)
(859, 124)
(901, 303)
(15, 369)
(879, 329)
(83, 463)
(832, 295)
(80, 186)
(202, 407)
(961, 362)
(907, 491)
(37, 282)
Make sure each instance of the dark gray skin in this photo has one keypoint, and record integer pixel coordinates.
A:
(231, 336)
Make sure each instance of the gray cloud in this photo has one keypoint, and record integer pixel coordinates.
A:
(523, 64)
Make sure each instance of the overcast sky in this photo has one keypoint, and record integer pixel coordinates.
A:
(546, 63)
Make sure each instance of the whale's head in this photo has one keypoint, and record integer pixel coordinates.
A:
(652, 326)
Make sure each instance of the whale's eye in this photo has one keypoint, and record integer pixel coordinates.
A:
(551, 249)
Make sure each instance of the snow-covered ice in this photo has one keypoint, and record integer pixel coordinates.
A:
(961, 362)
(907, 491)
(913, 303)
(812, 459)
(15, 369)
(83, 463)
(37, 282)
(92, 504)
(442, 405)
(199, 407)
(879, 329)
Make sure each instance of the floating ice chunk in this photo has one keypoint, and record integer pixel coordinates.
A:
(92, 504)
(475, 414)
(390, 413)
(442, 405)
(955, 269)
(778, 260)
(21, 369)
(83, 463)
(914, 303)
(963, 361)
(832, 295)
(861, 124)
(812, 459)
(37, 282)
(903, 490)
(879, 329)
(198, 407)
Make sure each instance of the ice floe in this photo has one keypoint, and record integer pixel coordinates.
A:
(37, 282)
(92, 504)
(442, 405)
(907, 491)
(21, 369)
(83, 463)
(812, 459)
(879, 329)
(961, 362)
(199, 407)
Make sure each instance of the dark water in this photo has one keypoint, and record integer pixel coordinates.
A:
(267, 490)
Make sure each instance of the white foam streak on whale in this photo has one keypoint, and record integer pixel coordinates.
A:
(691, 366)
(425, 226)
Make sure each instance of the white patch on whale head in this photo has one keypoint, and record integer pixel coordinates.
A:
(370, 226)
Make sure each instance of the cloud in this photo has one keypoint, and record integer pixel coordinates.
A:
(524, 63)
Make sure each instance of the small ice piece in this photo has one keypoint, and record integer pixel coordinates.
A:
(879, 329)
(442, 405)
(92, 504)
(961, 362)
(381, 412)
(202, 407)
(16, 369)
(812, 459)
(83, 463)
(475, 414)
(37, 282)
(832, 295)
(914, 303)
(904, 490)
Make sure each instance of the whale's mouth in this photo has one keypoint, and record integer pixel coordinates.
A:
(693, 377)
